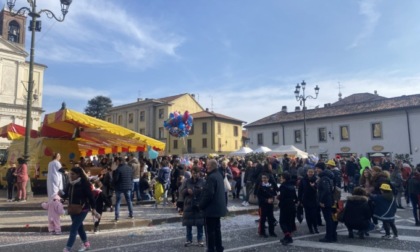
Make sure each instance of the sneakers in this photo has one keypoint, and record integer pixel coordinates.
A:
(386, 237)
(24, 200)
(200, 244)
(187, 243)
(66, 250)
(245, 203)
(85, 247)
(395, 237)
(9, 200)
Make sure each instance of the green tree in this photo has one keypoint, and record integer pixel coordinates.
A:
(98, 107)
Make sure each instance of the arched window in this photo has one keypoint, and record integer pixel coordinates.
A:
(14, 31)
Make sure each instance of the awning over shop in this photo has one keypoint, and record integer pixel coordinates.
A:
(13, 131)
(95, 136)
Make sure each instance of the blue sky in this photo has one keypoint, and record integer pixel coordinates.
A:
(242, 58)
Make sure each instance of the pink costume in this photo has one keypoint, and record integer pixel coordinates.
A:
(55, 209)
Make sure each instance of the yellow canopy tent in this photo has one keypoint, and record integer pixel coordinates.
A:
(95, 136)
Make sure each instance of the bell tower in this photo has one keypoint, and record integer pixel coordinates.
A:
(12, 28)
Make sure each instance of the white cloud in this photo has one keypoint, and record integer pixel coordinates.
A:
(367, 8)
(71, 93)
(103, 32)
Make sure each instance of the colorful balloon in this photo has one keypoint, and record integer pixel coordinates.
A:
(179, 125)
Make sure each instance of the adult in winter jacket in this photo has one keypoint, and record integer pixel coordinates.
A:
(214, 206)
(307, 197)
(79, 192)
(225, 170)
(397, 183)
(123, 183)
(134, 163)
(326, 201)
(357, 212)
(192, 215)
(414, 192)
(287, 205)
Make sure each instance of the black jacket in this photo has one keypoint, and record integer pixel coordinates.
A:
(357, 212)
(325, 188)
(307, 193)
(81, 193)
(193, 216)
(123, 178)
(213, 200)
(264, 193)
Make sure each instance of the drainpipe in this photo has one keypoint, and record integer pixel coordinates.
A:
(409, 133)
(282, 130)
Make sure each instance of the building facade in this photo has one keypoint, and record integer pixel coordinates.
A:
(361, 124)
(211, 133)
(14, 72)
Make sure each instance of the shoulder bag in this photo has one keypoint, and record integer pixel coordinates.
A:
(73, 209)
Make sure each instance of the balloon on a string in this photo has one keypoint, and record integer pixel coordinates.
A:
(152, 153)
(179, 125)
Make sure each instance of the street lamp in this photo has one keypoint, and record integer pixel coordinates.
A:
(302, 98)
(33, 27)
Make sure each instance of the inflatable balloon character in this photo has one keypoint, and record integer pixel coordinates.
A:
(179, 125)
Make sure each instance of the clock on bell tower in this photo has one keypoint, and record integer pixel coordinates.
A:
(12, 28)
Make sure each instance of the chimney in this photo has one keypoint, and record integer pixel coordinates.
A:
(207, 109)
(284, 109)
(193, 96)
(375, 92)
(139, 99)
(297, 108)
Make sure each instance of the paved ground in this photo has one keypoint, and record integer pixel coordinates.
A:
(30, 217)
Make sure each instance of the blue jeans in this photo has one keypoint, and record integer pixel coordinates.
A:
(127, 196)
(77, 228)
(199, 233)
(136, 190)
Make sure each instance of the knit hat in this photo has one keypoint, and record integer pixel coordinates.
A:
(320, 165)
(385, 187)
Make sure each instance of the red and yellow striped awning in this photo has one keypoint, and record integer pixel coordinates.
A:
(95, 136)
(13, 131)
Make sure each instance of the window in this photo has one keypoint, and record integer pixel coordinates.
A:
(130, 118)
(204, 128)
(161, 133)
(376, 130)
(191, 130)
(14, 32)
(109, 119)
(204, 142)
(142, 116)
(236, 145)
(161, 113)
(275, 137)
(344, 133)
(142, 131)
(298, 136)
(235, 131)
(175, 144)
(322, 134)
(120, 120)
(260, 139)
(219, 128)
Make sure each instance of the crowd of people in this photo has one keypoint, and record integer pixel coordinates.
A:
(200, 190)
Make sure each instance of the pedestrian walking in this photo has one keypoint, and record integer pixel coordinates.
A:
(54, 179)
(164, 178)
(307, 197)
(101, 202)
(79, 194)
(213, 203)
(414, 193)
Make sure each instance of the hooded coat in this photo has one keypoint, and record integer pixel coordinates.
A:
(325, 188)
(385, 206)
(287, 204)
(192, 216)
(357, 212)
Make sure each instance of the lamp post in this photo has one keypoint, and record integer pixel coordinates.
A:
(302, 99)
(33, 27)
